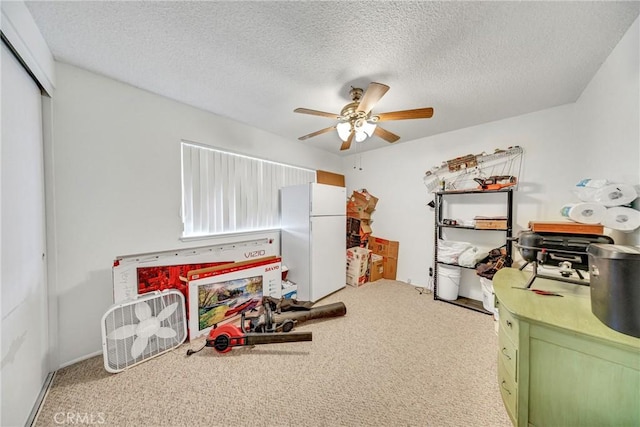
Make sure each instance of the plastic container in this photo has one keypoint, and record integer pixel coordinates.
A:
(487, 294)
(448, 282)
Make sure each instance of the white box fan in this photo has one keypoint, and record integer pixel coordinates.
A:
(137, 330)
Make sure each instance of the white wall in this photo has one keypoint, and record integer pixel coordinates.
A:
(607, 118)
(115, 165)
(597, 136)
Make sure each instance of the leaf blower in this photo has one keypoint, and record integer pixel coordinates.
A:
(224, 338)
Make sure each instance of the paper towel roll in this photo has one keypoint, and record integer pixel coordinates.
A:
(622, 219)
(615, 195)
(585, 213)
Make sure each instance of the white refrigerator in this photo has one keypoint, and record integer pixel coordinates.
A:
(313, 238)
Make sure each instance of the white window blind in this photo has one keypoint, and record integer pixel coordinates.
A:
(224, 192)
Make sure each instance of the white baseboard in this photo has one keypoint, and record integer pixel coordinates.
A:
(80, 359)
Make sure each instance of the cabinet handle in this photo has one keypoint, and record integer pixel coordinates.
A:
(509, 324)
(506, 389)
(504, 351)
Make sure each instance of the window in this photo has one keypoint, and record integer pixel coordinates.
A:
(224, 192)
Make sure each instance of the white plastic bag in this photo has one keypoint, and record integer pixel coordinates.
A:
(468, 257)
(449, 250)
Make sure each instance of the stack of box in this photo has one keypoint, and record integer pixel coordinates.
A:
(359, 208)
(357, 263)
(388, 250)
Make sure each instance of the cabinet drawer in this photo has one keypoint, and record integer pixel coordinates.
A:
(508, 391)
(509, 324)
(508, 353)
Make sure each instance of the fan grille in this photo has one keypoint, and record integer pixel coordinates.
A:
(117, 352)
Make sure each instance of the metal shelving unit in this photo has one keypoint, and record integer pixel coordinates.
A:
(439, 226)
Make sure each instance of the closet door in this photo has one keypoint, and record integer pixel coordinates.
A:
(22, 251)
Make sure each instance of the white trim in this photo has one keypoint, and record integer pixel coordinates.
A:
(21, 31)
(80, 359)
(232, 234)
(51, 234)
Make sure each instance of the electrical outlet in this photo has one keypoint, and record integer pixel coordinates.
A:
(430, 271)
(409, 281)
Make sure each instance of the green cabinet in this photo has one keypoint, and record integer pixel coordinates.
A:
(558, 365)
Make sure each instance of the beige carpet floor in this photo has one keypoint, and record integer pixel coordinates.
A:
(398, 358)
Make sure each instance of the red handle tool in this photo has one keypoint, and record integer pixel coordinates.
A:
(539, 291)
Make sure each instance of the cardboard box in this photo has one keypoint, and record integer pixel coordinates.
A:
(364, 200)
(357, 261)
(490, 223)
(565, 227)
(384, 247)
(365, 228)
(376, 268)
(357, 211)
(357, 264)
(355, 280)
(219, 295)
(358, 254)
(355, 240)
(358, 268)
(137, 274)
(330, 178)
(390, 268)
(353, 226)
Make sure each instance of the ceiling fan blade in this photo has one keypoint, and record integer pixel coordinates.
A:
(418, 113)
(385, 134)
(374, 93)
(347, 144)
(318, 132)
(316, 113)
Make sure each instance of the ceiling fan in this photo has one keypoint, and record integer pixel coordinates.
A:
(356, 121)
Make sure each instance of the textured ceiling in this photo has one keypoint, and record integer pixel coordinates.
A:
(255, 62)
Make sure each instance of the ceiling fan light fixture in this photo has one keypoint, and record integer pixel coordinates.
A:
(363, 129)
(360, 136)
(368, 127)
(344, 130)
